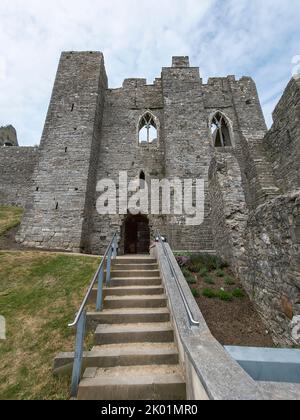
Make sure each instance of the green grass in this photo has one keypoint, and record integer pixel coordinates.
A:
(39, 295)
(10, 217)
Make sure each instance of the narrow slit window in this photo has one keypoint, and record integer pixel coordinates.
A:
(220, 131)
(148, 131)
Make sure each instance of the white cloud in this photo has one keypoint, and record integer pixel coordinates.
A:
(2, 68)
(138, 37)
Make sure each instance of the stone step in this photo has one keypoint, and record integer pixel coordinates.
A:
(135, 273)
(127, 291)
(133, 291)
(130, 267)
(133, 260)
(134, 333)
(128, 316)
(133, 383)
(135, 281)
(135, 354)
(147, 301)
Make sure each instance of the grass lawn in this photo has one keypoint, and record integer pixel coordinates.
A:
(10, 217)
(39, 295)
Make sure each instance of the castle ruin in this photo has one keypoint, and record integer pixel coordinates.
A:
(176, 127)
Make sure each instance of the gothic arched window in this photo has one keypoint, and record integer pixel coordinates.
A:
(221, 131)
(148, 130)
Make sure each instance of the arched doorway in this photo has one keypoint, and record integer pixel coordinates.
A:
(136, 235)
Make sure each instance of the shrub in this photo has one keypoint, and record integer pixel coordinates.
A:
(238, 293)
(225, 296)
(210, 262)
(229, 281)
(188, 276)
(208, 293)
(183, 261)
(208, 280)
(203, 272)
(195, 293)
(220, 273)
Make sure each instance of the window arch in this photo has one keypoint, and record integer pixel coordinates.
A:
(221, 130)
(148, 129)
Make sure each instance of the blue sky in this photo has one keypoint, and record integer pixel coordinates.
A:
(258, 38)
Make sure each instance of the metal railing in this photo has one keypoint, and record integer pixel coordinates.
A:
(81, 316)
(192, 321)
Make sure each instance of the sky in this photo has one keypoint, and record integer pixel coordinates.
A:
(257, 38)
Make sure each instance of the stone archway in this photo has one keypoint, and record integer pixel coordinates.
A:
(136, 235)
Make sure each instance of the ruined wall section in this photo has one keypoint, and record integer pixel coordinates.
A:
(238, 100)
(56, 216)
(8, 136)
(120, 150)
(259, 181)
(262, 246)
(272, 243)
(229, 210)
(188, 149)
(16, 169)
(282, 143)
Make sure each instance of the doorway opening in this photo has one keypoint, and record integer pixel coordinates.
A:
(136, 235)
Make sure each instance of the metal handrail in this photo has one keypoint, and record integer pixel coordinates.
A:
(90, 289)
(81, 317)
(192, 321)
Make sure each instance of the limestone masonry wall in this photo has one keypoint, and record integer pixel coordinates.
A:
(272, 277)
(282, 143)
(16, 169)
(8, 136)
(59, 209)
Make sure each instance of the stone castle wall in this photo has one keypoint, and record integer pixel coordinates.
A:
(282, 143)
(272, 277)
(8, 136)
(91, 133)
(59, 212)
(16, 169)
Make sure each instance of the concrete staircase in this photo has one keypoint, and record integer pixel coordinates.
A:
(135, 354)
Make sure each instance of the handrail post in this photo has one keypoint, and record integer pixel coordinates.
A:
(108, 267)
(115, 247)
(77, 367)
(99, 301)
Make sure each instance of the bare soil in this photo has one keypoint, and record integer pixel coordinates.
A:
(232, 323)
(8, 242)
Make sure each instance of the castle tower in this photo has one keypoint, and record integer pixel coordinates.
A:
(57, 216)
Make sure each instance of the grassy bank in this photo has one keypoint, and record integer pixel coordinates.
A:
(10, 217)
(39, 294)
